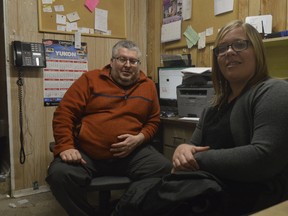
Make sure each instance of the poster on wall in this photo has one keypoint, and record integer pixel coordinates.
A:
(172, 11)
(65, 64)
(172, 15)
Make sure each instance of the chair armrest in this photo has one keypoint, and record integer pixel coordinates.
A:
(51, 146)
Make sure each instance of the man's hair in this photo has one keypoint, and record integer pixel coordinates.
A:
(125, 44)
(221, 86)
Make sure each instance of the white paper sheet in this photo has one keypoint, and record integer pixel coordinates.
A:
(171, 31)
(223, 6)
(187, 9)
(101, 20)
(196, 70)
(190, 118)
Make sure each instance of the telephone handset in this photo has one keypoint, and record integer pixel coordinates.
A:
(29, 54)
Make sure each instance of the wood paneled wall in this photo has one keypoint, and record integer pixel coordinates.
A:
(203, 57)
(22, 24)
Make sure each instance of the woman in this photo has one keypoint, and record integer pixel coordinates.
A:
(242, 139)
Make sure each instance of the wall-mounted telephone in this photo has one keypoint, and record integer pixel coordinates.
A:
(29, 54)
(26, 55)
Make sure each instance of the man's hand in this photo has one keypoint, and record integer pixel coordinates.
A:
(183, 157)
(127, 144)
(72, 156)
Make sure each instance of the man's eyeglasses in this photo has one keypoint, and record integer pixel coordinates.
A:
(237, 46)
(123, 60)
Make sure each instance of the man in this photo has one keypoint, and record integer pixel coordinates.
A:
(103, 126)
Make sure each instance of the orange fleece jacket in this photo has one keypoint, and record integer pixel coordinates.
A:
(101, 110)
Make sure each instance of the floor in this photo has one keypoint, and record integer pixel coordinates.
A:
(39, 204)
(42, 204)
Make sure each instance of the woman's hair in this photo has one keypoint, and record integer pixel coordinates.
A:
(125, 44)
(221, 85)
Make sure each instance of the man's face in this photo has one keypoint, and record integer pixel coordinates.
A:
(125, 67)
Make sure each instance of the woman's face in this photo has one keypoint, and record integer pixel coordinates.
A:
(237, 66)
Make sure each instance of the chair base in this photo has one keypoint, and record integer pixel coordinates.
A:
(105, 184)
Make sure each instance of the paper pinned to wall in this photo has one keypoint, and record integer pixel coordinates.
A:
(60, 19)
(191, 36)
(202, 40)
(209, 31)
(187, 9)
(72, 17)
(101, 20)
(223, 6)
(47, 1)
(59, 8)
(91, 4)
(172, 11)
(171, 31)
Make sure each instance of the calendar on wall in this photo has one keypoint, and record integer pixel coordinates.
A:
(65, 64)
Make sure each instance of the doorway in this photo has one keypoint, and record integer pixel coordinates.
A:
(4, 133)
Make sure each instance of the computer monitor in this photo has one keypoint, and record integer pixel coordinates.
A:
(168, 80)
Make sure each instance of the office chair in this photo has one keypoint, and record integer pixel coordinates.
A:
(104, 185)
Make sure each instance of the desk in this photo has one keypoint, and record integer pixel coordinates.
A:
(280, 209)
(175, 131)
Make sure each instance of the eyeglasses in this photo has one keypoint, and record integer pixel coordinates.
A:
(237, 46)
(123, 60)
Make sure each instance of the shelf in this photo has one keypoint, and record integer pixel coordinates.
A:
(277, 52)
(274, 42)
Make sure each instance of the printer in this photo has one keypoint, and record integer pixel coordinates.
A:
(195, 93)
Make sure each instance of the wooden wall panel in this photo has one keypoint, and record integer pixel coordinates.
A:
(278, 9)
(286, 27)
(137, 27)
(254, 7)
(243, 9)
(154, 14)
(277, 61)
(21, 24)
(204, 57)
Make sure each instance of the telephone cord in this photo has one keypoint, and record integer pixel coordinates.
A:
(20, 83)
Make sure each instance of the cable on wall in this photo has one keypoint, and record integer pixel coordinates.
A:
(20, 83)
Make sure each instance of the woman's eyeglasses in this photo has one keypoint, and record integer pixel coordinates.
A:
(123, 61)
(237, 46)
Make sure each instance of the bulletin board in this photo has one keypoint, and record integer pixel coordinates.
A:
(116, 22)
(202, 18)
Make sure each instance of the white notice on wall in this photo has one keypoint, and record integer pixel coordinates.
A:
(171, 31)
(223, 6)
(187, 9)
(101, 20)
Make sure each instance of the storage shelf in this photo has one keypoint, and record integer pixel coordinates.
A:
(274, 42)
(277, 52)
